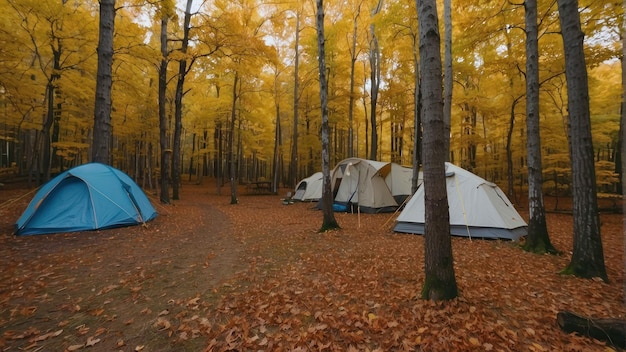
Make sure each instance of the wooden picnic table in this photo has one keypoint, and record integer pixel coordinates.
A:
(260, 186)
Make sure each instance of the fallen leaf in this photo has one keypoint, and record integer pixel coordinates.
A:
(46, 336)
(91, 341)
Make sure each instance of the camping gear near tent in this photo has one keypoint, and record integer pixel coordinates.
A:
(370, 185)
(310, 188)
(88, 197)
(477, 208)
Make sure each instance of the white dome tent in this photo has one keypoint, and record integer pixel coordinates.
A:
(310, 188)
(478, 208)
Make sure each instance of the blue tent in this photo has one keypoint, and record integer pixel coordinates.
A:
(88, 197)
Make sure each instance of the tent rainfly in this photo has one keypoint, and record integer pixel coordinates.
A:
(88, 197)
(372, 185)
(310, 188)
(478, 208)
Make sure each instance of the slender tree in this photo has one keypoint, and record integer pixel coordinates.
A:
(329, 222)
(101, 148)
(353, 57)
(231, 141)
(417, 116)
(447, 75)
(374, 57)
(278, 142)
(622, 126)
(537, 240)
(622, 119)
(166, 153)
(178, 103)
(440, 282)
(587, 258)
(293, 169)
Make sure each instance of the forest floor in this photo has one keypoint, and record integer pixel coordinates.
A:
(206, 275)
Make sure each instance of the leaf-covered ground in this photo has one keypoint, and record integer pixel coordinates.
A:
(210, 276)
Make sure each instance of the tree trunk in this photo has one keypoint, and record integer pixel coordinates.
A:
(191, 157)
(178, 105)
(588, 258)
(375, 82)
(353, 57)
(612, 331)
(219, 157)
(329, 222)
(46, 153)
(163, 141)
(537, 239)
(622, 126)
(277, 146)
(417, 119)
(293, 169)
(440, 281)
(231, 143)
(447, 76)
(101, 149)
(510, 191)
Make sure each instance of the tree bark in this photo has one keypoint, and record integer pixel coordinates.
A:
(610, 330)
(447, 76)
(163, 141)
(588, 258)
(622, 125)
(329, 222)
(440, 281)
(375, 82)
(417, 119)
(277, 142)
(101, 148)
(293, 169)
(353, 57)
(178, 105)
(231, 143)
(537, 239)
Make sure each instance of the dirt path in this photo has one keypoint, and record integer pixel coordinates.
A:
(114, 289)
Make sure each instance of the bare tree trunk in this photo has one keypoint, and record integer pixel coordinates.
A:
(231, 143)
(375, 82)
(353, 57)
(622, 126)
(588, 257)
(417, 119)
(293, 169)
(178, 105)
(46, 153)
(440, 281)
(447, 76)
(277, 146)
(537, 239)
(163, 141)
(219, 157)
(329, 222)
(101, 151)
(191, 157)
(510, 191)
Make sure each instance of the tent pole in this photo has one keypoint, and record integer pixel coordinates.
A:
(397, 210)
